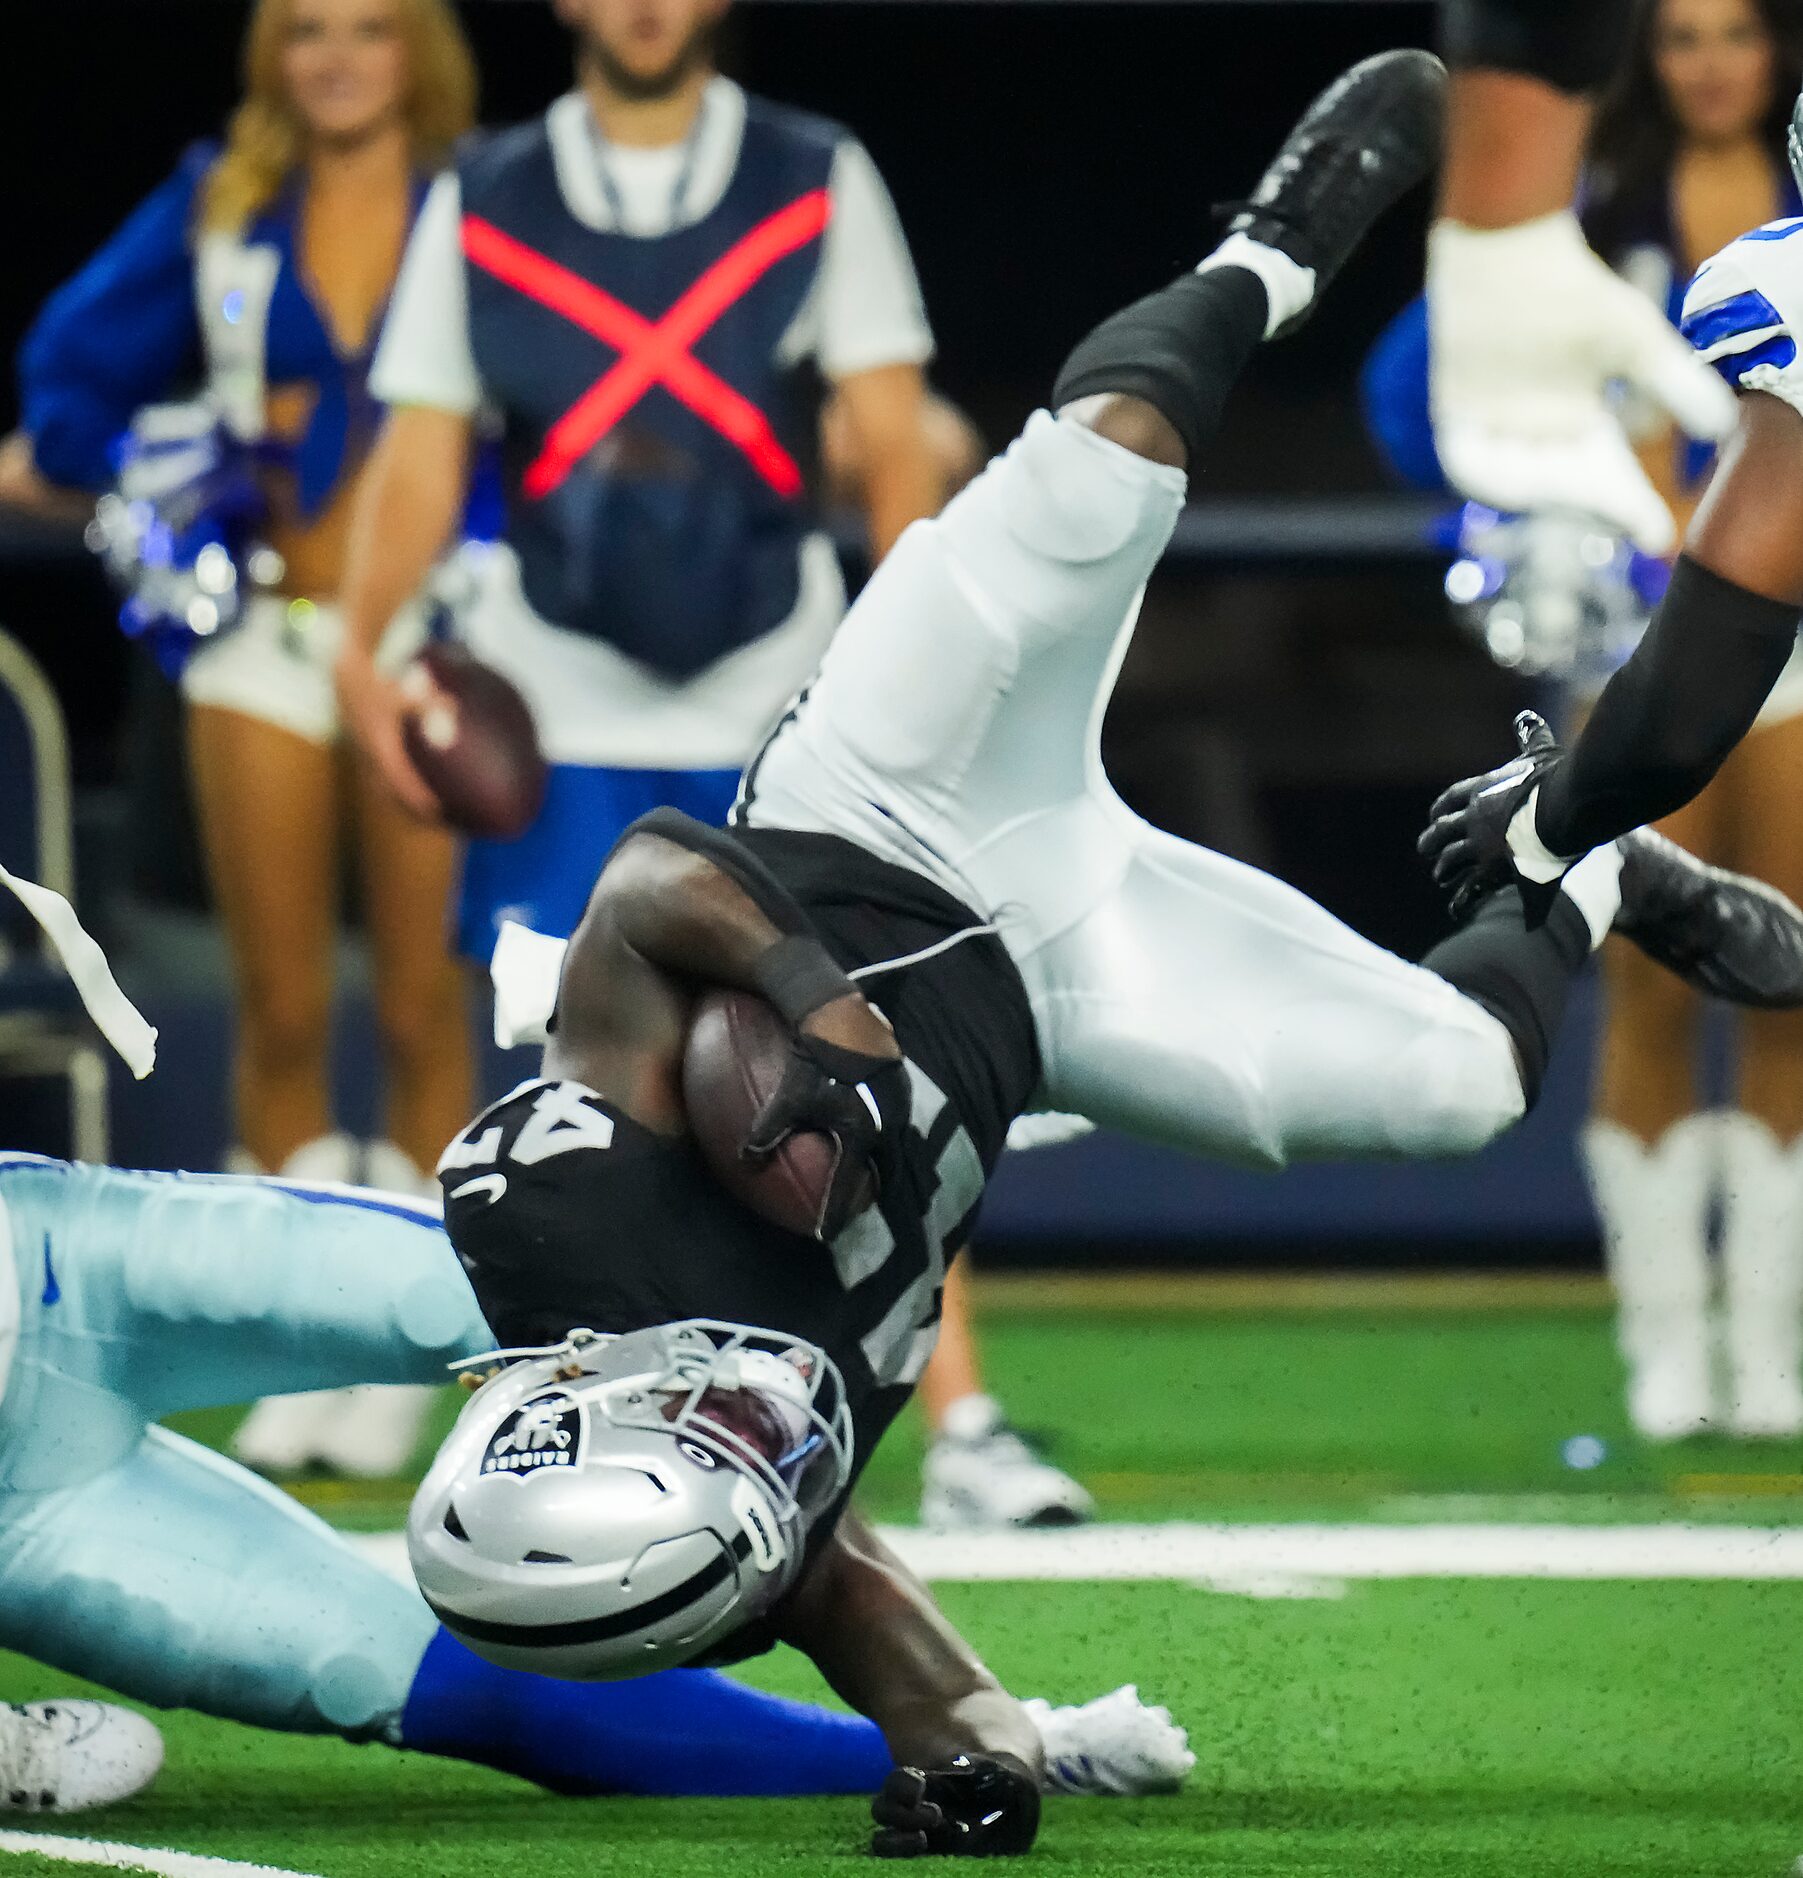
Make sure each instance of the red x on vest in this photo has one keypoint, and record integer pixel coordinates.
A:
(653, 352)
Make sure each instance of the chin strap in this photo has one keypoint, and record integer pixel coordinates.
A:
(119, 1020)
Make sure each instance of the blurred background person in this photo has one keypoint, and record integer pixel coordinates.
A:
(1531, 334)
(1687, 153)
(648, 290)
(261, 271)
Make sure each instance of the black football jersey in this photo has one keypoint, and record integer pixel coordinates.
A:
(566, 1213)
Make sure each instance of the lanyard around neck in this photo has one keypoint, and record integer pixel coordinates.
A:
(679, 189)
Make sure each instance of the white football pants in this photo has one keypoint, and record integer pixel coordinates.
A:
(955, 728)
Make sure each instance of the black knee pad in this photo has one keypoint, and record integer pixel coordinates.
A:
(1179, 349)
(1520, 974)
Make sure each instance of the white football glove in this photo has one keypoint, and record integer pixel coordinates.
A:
(1047, 1128)
(1528, 329)
(1114, 1746)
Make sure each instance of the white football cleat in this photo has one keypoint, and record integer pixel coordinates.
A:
(1115, 1746)
(368, 1432)
(375, 1430)
(980, 1475)
(283, 1434)
(65, 1757)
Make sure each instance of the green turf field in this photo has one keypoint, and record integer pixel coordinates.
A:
(1463, 1729)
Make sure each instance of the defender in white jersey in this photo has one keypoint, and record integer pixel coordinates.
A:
(1745, 308)
(1719, 643)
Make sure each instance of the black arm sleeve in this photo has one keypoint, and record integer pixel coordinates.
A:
(1669, 717)
(1576, 45)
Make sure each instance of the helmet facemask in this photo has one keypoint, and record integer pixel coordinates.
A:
(768, 1405)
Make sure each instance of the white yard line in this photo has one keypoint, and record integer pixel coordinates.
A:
(139, 1858)
(1272, 1586)
(1362, 1552)
(1222, 1554)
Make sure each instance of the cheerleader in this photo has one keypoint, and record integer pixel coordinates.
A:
(261, 271)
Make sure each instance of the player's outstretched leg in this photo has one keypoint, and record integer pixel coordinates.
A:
(686, 1731)
(180, 1579)
(1209, 1007)
(189, 1291)
(1369, 138)
(962, 696)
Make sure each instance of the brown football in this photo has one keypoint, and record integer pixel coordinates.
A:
(470, 735)
(732, 1063)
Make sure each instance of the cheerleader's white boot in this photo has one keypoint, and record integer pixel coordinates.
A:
(286, 1434)
(1762, 1279)
(1653, 1203)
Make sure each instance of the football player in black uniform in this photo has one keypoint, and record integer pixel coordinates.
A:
(659, 1471)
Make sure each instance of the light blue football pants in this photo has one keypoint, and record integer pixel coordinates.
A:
(143, 1561)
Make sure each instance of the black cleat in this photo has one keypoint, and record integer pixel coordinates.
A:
(1729, 936)
(1369, 138)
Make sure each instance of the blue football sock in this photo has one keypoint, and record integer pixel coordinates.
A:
(681, 1732)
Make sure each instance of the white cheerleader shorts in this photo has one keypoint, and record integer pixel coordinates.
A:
(276, 664)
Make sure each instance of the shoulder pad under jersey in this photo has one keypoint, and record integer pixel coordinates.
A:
(1744, 311)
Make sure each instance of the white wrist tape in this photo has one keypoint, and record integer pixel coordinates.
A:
(1534, 860)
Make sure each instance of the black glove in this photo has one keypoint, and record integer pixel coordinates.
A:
(861, 1101)
(974, 1808)
(1467, 836)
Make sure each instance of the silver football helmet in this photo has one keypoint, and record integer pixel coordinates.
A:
(615, 1505)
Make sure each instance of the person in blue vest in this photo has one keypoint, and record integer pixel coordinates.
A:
(645, 289)
(646, 293)
(1688, 151)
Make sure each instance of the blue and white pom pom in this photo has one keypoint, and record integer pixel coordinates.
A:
(178, 534)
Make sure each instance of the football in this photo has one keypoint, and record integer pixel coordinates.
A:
(470, 735)
(732, 1063)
